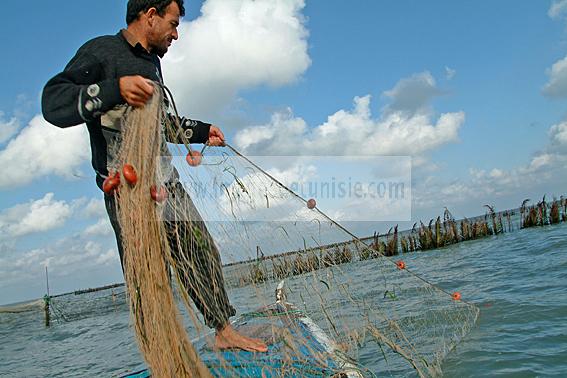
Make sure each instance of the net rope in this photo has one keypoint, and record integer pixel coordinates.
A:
(369, 314)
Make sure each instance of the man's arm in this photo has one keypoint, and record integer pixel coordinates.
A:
(80, 93)
(189, 130)
(192, 131)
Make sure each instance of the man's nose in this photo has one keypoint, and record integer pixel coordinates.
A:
(175, 34)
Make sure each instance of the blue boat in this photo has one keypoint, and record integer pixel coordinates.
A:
(297, 347)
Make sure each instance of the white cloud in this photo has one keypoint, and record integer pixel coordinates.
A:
(557, 83)
(450, 73)
(102, 228)
(413, 93)
(352, 132)
(543, 167)
(558, 137)
(540, 161)
(496, 173)
(406, 127)
(557, 9)
(8, 128)
(235, 45)
(34, 216)
(42, 149)
(279, 137)
(108, 257)
(95, 208)
(297, 174)
(262, 197)
(543, 174)
(70, 256)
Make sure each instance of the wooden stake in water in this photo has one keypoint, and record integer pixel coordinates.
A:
(47, 299)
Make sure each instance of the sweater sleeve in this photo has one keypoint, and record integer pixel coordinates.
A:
(80, 93)
(189, 130)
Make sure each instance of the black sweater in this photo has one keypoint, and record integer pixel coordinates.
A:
(87, 91)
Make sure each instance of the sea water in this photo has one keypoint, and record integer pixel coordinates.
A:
(518, 280)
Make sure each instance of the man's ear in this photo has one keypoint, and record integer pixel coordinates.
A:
(150, 15)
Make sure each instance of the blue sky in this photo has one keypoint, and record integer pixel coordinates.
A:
(494, 69)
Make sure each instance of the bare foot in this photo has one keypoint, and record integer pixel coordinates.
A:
(228, 338)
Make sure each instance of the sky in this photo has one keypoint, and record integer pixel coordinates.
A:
(474, 92)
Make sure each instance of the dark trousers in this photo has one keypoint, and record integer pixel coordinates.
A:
(195, 256)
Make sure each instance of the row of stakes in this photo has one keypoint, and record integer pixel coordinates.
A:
(402, 265)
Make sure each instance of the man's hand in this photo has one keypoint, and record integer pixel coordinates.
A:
(216, 137)
(136, 90)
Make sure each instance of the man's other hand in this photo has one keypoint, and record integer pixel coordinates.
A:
(136, 90)
(216, 137)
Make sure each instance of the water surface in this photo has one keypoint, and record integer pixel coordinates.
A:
(519, 281)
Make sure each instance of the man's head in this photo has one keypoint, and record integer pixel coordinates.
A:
(158, 19)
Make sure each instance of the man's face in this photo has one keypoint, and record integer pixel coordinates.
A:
(164, 30)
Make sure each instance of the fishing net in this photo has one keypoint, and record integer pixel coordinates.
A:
(76, 306)
(345, 309)
(23, 307)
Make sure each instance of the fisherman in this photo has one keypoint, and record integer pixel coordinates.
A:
(106, 75)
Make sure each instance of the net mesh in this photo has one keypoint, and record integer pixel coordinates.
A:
(347, 308)
(23, 307)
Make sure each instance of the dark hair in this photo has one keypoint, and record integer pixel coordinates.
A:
(135, 7)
